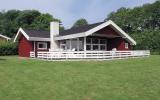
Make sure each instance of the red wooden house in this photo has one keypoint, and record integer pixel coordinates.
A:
(98, 37)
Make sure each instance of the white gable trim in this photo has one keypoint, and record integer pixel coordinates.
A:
(19, 32)
(91, 31)
(7, 38)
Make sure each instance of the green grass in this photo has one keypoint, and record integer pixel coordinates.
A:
(130, 79)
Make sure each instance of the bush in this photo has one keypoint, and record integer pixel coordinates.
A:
(8, 48)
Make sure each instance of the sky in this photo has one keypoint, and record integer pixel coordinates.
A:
(68, 11)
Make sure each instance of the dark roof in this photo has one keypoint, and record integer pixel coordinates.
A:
(79, 29)
(37, 33)
(46, 34)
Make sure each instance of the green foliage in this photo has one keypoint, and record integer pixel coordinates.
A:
(8, 48)
(11, 20)
(139, 18)
(143, 23)
(80, 22)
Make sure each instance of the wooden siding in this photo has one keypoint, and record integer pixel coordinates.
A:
(24, 47)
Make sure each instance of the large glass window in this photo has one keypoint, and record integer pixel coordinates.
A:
(96, 44)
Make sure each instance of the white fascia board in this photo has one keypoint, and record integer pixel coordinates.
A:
(18, 33)
(122, 33)
(127, 37)
(70, 36)
(5, 37)
(91, 31)
(38, 39)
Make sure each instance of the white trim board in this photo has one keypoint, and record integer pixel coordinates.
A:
(7, 38)
(29, 38)
(84, 34)
(18, 34)
(103, 25)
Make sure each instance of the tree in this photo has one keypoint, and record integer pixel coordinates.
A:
(80, 22)
(11, 20)
(142, 23)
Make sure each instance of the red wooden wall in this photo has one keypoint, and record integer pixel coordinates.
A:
(117, 42)
(24, 47)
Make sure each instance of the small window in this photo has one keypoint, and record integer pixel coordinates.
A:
(126, 45)
(42, 45)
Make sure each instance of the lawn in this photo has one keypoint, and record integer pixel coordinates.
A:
(130, 79)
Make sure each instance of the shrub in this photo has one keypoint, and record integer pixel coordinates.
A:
(8, 48)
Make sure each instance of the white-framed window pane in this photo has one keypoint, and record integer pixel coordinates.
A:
(42, 45)
(88, 40)
(88, 47)
(102, 47)
(126, 45)
(95, 41)
(95, 47)
(102, 41)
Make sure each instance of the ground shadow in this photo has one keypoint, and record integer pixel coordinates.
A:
(2, 59)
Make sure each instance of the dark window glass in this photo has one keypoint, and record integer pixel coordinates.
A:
(88, 47)
(102, 41)
(41, 46)
(102, 47)
(88, 40)
(95, 41)
(95, 47)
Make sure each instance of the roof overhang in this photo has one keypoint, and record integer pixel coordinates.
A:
(21, 31)
(5, 37)
(84, 34)
(92, 31)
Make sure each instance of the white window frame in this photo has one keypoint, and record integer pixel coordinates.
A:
(99, 45)
(44, 43)
(126, 45)
(63, 44)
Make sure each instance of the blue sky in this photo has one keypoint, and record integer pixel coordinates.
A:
(71, 10)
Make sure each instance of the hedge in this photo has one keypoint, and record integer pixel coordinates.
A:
(8, 48)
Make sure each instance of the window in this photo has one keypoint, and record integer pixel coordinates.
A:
(96, 44)
(102, 47)
(102, 41)
(88, 40)
(95, 47)
(88, 47)
(42, 45)
(63, 44)
(126, 45)
(95, 41)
